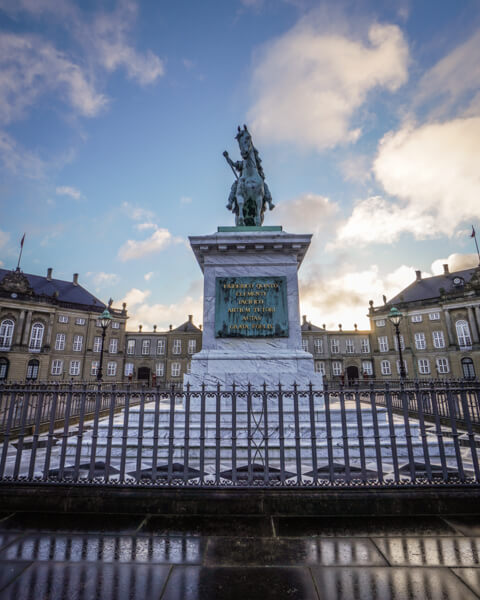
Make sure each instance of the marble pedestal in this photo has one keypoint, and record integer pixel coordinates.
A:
(251, 252)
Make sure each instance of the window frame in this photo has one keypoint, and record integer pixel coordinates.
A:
(113, 346)
(56, 367)
(77, 364)
(335, 346)
(385, 367)
(420, 340)
(318, 346)
(445, 368)
(8, 327)
(131, 347)
(176, 364)
(36, 340)
(60, 341)
(424, 367)
(438, 336)
(77, 344)
(383, 345)
(112, 368)
(177, 346)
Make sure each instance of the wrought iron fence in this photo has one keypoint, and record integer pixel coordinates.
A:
(298, 437)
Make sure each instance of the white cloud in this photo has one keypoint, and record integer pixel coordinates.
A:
(375, 220)
(309, 212)
(145, 226)
(343, 298)
(109, 37)
(455, 262)
(18, 160)
(308, 83)
(434, 169)
(66, 190)
(162, 315)
(356, 168)
(137, 213)
(102, 279)
(31, 66)
(148, 276)
(4, 238)
(453, 79)
(185, 200)
(158, 241)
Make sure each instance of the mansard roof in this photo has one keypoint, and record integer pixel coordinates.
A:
(434, 287)
(55, 290)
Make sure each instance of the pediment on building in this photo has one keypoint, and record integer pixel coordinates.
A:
(15, 282)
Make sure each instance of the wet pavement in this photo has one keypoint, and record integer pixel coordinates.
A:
(120, 556)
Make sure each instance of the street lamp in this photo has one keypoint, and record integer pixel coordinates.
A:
(105, 320)
(395, 316)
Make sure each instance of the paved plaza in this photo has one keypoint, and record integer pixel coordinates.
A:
(120, 556)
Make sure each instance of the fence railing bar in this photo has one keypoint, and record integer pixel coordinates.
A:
(346, 451)
(439, 434)
(66, 426)
(376, 434)
(93, 447)
(423, 433)
(156, 421)
(393, 436)
(217, 433)
(111, 413)
(313, 433)
(328, 423)
(408, 432)
(21, 437)
(298, 457)
(126, 425)
(470, 434)
(35, 436)
(81, 424)
(281, 433)
(361, 436)
(202, 434)
(266, 470)
(51, 428)
(249, 434)
(141, 418)
(454, 433)
(234, 434)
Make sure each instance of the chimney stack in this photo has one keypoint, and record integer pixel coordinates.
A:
(170, 327)
(190, 317)
(200, 327)
(49, 274)
(339, 327)
(418, 275)
(356, 327)
(154, 328)
(140, 328)
(445, 269)
(304, 317)
(75, 279)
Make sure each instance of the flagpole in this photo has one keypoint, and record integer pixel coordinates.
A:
(21, 250)
(474, 235)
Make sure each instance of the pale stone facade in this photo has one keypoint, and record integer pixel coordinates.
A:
(49, 330)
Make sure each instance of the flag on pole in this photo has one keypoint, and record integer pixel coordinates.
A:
(23, 239)
(473, 234)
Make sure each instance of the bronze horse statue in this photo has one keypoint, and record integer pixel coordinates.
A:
(249, 195)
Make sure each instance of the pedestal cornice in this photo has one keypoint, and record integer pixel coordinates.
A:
(252, 242)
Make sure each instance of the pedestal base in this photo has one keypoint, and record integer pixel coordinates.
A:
(213, 367)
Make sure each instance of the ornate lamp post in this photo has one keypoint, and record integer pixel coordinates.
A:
(395, 316)
(105, 320)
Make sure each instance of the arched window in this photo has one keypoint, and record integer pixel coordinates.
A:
(36, 337)
(32, 369)
(6, 334)
(468, 368)
(463, 334)
(4, 364)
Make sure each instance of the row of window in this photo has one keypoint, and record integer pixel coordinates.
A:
(335, 345)
(7, 327)
(161, 346)
(433, 316)
(77, 344)
(82, 321)
(75, 366)
(438, 338)
(175, 369)
(442, 365)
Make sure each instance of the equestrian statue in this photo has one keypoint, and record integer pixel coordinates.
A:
(249, 195)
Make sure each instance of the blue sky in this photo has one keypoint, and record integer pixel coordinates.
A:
(114, 116)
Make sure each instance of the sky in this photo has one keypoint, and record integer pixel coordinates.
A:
(114, 115)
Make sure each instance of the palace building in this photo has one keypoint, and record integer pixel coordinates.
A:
(50, 330)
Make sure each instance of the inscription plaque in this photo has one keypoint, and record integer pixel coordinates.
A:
(251, 307)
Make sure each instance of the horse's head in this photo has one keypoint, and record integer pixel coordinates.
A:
(244, 141)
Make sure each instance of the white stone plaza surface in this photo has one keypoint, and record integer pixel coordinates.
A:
(270, 360)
